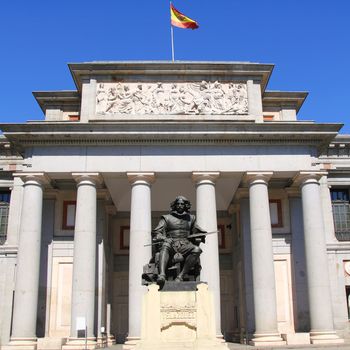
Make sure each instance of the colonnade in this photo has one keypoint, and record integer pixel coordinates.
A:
(83, 293)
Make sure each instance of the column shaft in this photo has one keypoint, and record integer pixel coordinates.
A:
(207, 220)
(139, 255)
(14, 219)
(84, 263)
(321, 315)
(28, 262)
(262, 262)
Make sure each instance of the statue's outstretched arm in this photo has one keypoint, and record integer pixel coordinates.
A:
(159, 232)
(198, 229)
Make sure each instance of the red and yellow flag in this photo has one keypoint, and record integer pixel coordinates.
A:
(180, 20)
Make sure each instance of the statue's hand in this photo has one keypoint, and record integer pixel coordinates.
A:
(159, 238)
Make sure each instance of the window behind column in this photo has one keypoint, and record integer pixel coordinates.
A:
(68, 219)
(4, 214)
(276, 213)
(341, 213)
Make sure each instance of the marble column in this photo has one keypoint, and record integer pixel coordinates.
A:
(139, 255)
(207, 219)
(84, 262)
(321, 313)
(28, 261)
(101, 270)
(265, 308)
(111, 211)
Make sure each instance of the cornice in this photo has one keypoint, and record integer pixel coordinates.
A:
(47, 99)
(7, 250)
(342, 138)
(285, 98)
(166, 69)
(172, 133)
(168, 141)
(339, 247)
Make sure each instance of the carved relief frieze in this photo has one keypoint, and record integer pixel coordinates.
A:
(172, 98)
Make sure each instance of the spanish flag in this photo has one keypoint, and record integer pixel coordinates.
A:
(180, 20)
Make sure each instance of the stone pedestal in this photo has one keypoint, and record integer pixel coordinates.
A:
(176, 320)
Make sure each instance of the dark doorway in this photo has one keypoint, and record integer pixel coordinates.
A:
(347, 290)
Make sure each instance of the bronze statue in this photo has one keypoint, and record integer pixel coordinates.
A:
(176, 240)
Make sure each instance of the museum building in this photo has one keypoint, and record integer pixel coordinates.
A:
(81, 190)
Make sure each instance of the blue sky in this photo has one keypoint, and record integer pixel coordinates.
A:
(307, 40)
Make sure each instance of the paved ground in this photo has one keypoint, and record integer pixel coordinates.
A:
(233, 346)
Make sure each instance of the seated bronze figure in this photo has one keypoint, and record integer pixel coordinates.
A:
(176, 241)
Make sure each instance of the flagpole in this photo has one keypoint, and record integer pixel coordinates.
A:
(172, 44)
(172, 39)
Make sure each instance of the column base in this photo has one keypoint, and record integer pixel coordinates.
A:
(267, 339)
(220, 337)
(80, 344)
(21, 344)
(101, 342)
(131, 342)
(105, 341)
(330, 337)
(110, 340)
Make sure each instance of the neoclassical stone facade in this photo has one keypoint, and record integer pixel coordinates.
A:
(81, 190)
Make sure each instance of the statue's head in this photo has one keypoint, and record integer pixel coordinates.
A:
(181, 204)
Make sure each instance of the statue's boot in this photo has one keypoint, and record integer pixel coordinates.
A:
(163, 263)
(161, 281)
(190, 261)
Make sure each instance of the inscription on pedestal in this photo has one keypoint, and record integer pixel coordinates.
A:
(184, 315)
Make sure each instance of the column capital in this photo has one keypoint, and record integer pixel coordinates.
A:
(88, 178)
(139, 178)
(39, 178)
(200, 177)
(252, 177)
(306, 177)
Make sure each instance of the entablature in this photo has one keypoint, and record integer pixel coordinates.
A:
(170, 133)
